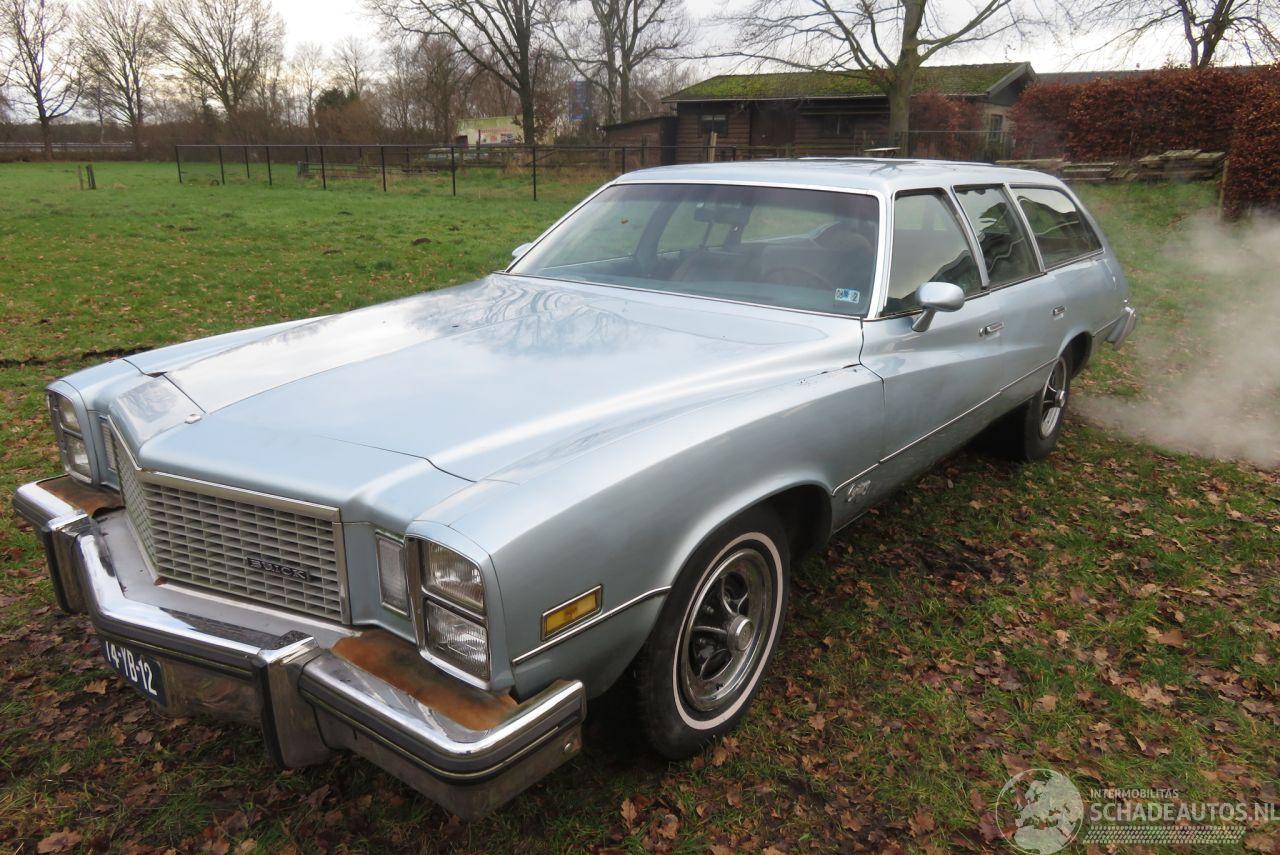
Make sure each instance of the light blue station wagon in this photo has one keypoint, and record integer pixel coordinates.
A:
(429, 531)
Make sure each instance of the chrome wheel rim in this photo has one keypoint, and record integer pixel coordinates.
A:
(1053, 399)
(725, 631)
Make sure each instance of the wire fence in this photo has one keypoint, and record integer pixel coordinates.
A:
(390, 166)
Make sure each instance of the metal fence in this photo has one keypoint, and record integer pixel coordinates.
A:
(388, 165)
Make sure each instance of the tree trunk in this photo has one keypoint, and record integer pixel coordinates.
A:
(903, 75)
(624, 94)
(900, 112)
(46, 137)
(527, 113)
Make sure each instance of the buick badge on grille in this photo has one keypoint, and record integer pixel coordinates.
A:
(255, 562)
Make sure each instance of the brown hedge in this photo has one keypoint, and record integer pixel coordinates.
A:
(1040, 120)
(943, 125)
(1129, 117)
(1252, 181)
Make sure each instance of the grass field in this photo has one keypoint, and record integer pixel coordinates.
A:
(1112, 613)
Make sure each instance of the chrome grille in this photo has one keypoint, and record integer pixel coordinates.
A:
(235, 542)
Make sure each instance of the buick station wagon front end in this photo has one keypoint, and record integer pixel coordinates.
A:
(428, 531)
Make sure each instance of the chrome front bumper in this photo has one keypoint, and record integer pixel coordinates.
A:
(468, 750)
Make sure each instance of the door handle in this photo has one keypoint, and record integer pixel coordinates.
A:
(1059, 311)
(991, 328)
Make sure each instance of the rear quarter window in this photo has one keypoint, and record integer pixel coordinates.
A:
(1061, 231)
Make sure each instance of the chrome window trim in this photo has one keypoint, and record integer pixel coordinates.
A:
(1022, 222)
(876, 277)
(600, 617)
(1084, 218)
(280, 503)
(598, 590)
(879, 300)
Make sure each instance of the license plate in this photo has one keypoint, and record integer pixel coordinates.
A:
(138, 669)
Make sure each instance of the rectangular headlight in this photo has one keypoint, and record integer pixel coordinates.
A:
(69, 436)
(457, 640)
(391, 578)
(454, 577)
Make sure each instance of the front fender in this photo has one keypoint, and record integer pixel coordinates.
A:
(628, 515)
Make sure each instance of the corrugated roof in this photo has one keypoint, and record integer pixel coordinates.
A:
(947, 79)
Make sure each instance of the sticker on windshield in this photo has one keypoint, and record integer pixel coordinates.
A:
(848, 295)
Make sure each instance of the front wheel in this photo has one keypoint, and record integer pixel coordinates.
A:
(703, 662)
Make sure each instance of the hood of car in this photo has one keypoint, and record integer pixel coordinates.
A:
(477, 378)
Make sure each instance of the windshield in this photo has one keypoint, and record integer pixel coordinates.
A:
(796, 249)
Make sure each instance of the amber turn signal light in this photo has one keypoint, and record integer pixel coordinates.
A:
(567, 614)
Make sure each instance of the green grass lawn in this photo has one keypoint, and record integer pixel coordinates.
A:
(1112, 613)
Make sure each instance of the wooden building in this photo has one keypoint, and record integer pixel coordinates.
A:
(812, 112)
(649, 141)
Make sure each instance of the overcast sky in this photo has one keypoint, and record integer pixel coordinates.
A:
(327, 21)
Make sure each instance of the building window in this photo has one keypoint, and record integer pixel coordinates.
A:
(836, 126)
(713, 123)
(995, 123)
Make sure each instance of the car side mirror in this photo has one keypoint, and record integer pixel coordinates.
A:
(520, 250)
(936, 297)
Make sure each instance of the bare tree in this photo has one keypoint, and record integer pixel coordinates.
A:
(38, 33)
(885, 40)
(498, 36)
(401, 93)
(223, 47)
(610, 42)
(352, 62)
(446, 77)
(307, 68)
(1207, 28)
(119, 44)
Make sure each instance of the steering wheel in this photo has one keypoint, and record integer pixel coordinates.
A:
(843, 235)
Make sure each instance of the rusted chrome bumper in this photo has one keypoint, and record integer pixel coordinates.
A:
(1123, 325)
(368, 692)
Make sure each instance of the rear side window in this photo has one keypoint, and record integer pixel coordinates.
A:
(1005, 247)
(1060, 229)
(928, 246)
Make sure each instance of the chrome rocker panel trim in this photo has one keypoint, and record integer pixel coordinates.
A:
(307, 700)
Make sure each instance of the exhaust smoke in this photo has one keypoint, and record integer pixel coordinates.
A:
(1211, 386)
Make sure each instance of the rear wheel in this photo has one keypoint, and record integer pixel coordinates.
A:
(703, 662)
(1031, 432)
